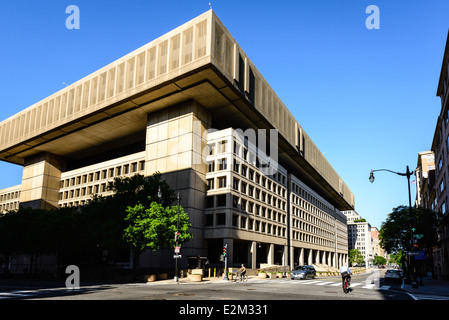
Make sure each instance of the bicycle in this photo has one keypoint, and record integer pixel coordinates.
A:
(346, 284)
(240, 278)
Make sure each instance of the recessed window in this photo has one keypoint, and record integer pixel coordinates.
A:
(210, 184)
(222, 164)
(221, 219)
(221, 200)
(210, 202)
(222, 182)
(209, 220)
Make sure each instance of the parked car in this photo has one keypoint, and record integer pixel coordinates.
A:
(392, 275)
(303, 272)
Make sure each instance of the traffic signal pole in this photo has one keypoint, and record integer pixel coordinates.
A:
(226, 262)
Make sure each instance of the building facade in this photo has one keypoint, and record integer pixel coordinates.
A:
(440, 148)
(174, 106)
(375, 242)
(359, 236)
(425, 180)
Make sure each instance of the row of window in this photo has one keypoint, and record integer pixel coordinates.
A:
(243, 205)
(246, 171)
(9, 196)
(314, 202)
(118, 171)
(95, 182)
(246, 223)
(9, 201)
(9, 206)
(310, 238)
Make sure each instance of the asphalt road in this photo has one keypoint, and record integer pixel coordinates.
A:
(368, 286)
(212, 298)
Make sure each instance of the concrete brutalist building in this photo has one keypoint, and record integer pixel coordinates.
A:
(191, 105)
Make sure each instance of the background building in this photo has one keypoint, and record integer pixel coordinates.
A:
(375, 242)
(440, 147)
(425, 179)
(359, 236)
(173, 106)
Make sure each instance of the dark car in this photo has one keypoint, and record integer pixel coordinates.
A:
(303, 272)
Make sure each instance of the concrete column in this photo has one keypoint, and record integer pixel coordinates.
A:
(41, 179)
(292, 257)
(253, 253)
(175, 140)
(301, 256)
(270, 257)
(317, 257)
(309, 258)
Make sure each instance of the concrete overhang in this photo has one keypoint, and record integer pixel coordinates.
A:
(229, 93)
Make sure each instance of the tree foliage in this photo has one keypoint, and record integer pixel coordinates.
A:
(81, 235)
(379, 260)
(355, 257)
(155, 227)
(396, 232)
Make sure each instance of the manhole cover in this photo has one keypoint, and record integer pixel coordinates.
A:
(183, 294)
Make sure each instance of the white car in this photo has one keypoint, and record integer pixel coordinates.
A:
(392, 275)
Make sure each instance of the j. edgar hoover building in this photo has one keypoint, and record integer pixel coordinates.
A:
(192, 106)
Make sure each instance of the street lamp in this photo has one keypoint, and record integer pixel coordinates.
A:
(159, 193)
(407, 174)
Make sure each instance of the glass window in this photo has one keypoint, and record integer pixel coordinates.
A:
(222, 182)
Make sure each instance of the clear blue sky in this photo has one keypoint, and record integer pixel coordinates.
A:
(367, 98)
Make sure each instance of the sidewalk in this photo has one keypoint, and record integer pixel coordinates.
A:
(432, 287)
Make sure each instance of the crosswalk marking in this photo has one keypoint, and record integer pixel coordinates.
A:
(369, 286)
(336, 284)
(363, 285)
(417, 296)
(18, 294)
(324, 283)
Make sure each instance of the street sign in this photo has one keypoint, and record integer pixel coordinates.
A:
(418, 236)
(414, 253)
(177, 256)
(177, 249)
(421, 256)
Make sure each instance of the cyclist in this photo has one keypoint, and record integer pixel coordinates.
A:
(242, 272)
(345, 273)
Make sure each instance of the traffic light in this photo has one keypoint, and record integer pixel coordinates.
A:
(225, 247)
(176, 236)
(413, 224)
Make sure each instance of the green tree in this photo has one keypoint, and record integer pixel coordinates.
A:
(9, 248)
(395, 233)
(104, 216)
(355, 257)
(154, 227)
(397, 258)
(379, 260)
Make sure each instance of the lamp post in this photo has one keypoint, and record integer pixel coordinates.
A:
(176, 245)
(407, 174)
(176, 279)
